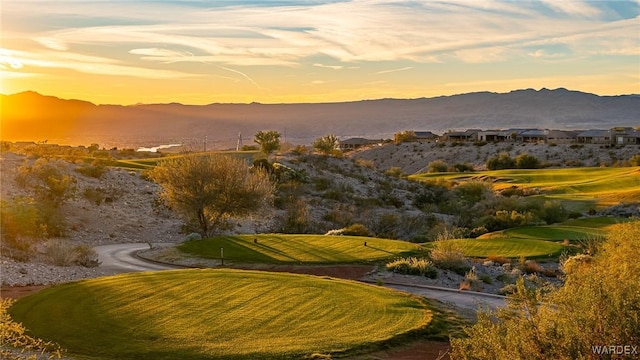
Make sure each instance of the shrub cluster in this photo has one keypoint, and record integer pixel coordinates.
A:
(61, 253)
(413, 266)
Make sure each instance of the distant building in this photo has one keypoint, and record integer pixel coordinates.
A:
(495, 136)
(462, 136)
(561, 137)
(425, 136)
(594, 137)
(625, 136)
(533, 136)
(354, 143)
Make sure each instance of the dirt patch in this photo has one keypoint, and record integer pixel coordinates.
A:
(418, 350)
(16, 292)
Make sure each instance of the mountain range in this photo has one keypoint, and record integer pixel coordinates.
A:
(29, 116)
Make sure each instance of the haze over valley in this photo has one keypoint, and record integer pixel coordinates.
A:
(29, 116)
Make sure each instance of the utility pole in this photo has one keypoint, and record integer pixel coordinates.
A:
(205, 143)
(239, 144)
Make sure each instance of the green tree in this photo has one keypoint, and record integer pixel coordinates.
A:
(210, 190)
(326, 144)
(269, 141)
(598, 305)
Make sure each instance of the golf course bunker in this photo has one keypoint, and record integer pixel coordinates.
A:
(221, 314)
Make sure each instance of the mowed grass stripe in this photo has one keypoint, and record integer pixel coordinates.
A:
(222, 314)
(508, 247)
(608, 184)
(279, 248)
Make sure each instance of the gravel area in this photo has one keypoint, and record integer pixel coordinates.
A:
(15, 273)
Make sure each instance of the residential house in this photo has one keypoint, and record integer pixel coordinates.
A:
(425, 136)
(594, 137)
(533, 136)
(561, 137)
(354, 143)
(625, 136)
(461, 136)
(495, 136)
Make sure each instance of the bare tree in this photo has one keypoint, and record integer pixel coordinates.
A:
(210, 190)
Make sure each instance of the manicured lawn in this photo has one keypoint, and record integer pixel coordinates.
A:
(554, 232)
(574, 229)
(606, 186)
(508, 247)
(217, 314)
(286, 248)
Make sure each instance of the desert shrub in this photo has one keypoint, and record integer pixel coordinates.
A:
(486, 278)
(369, 164)
(472, 192)
(498, 259)
(596, 307)
(635, 160)
(18, 221)
(413, 266)
(60, 252)
(501, 161)
(193, 237)
(553, 212)
(51, 221)
(590, 245)
(86, 256)
(47, 180)
(93, 195)
(437, 166)
(448, 255)
(526, 161)
(356, 230)
(532, 267)
(297, 219)
(15, 344)
(386, 226)
(471, 277)
(395, 172)
(504, 278)
(94, 169)
(462, 167)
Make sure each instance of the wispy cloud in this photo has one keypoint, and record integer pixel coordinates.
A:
(394, 70)
(235, 39)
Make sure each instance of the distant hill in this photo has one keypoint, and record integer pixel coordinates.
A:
(29, 116)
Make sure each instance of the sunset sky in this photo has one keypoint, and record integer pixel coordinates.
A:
(272, 51)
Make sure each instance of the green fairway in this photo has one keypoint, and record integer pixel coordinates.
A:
(557, 232)
(310, 249)
(574, 229)
(508, 247)
(605, 186)
(217, 314)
